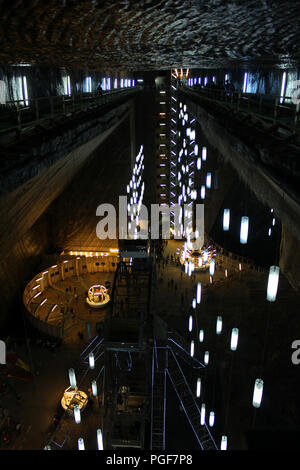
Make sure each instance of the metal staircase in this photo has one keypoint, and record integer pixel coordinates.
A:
(158, 409)
(189, 403)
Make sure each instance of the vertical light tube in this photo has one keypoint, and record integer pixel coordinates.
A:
(202, 415)
(212, 267)
(199, 292)
(190, 323)
(224, 443)
(202, 192)
(192, 348)
(72, 378)
(94, 388)
(92, 360)
(211, 421)
(198, 388)
(219, 325)
(226, 220)
(208, 180)
(77, 415)
(99, 439)
(81, 444)
(234, 339)
(194, 303)
(273, 280)
(201, 336)
(204, 153)
(283, 83)
(68, 85)
(25, 91)
(206, 357)
(257, 393)
(245, 82)
(244, 230)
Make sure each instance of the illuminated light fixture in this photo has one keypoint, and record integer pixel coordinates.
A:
(81, 444)
(196, 149)
(202, 192)
(283, 84)
(211, 420)
(245, 82)
(224, 443)
(36, 295)
(77, 414)
(204, 153)
(99, 439)
(194, 303)
(201, 336)
(205, 81)
(244, 230)
(226, 76)
(199, 163)
(92, 360)
(72, 378)
(234, 339)
(257, 393)
(226, 273)
(200, 261)
(273, 280)
(269, 232)
(25, 90)
(42, 303)
(47, 448)
(192, 350)
(206, 357)
(273, 222)
(226, 220)
(198, 388)
(94, 388)
(219, 325)
(205, 256)
(212, 267)
(208, 180)
(190, 323)
(202, 415)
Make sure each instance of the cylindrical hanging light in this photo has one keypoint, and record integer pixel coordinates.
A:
(99, 439)
(224, 443)
(205, 256)
(92, 360)
(198, 292)
(244, 230)
(234, 339)
(258, 393)
(77, 415)
(219, 325)
(190, 322)
(94, 388)
(208, 180)
(72, 378)
(192, 348)
(198, 163)
(194, 303)
(81, 444)
(212, 267)
(211, 421)
(202, 415)
(226, 220)
(202, 192)
(200, 261)
(206, 357)
(201, 336)
(198, 389)
(204, 152)
(272, 283)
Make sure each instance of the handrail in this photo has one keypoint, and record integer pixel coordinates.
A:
(273, 108)
(37, 110)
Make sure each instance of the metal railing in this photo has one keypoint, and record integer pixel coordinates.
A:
(273, 108)
(19, 115)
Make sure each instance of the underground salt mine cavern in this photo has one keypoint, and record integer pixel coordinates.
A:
(149, 225)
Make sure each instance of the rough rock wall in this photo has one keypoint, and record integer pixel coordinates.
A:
(148, 34)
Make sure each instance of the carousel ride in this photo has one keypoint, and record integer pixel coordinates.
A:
(98, 296)
(197, 260)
